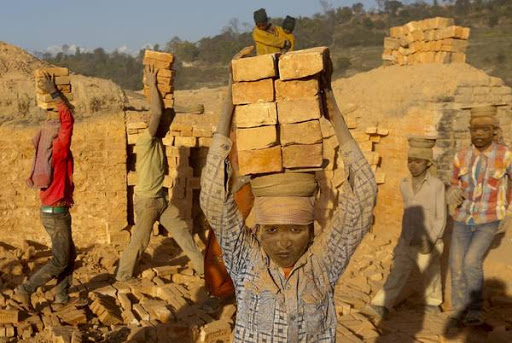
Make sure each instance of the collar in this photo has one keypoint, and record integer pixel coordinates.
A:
(426, 178)
(487, 152)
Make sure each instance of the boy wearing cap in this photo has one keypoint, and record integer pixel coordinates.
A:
(286, 31)
(266, 36)
(423, 225)
(284, 280)
(481, 193)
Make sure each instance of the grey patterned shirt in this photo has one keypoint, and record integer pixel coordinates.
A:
(271, 308)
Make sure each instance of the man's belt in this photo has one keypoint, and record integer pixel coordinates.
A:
(54, 209)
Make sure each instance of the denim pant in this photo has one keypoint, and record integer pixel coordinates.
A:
(148, 211)
(62, 263)
(470, 244)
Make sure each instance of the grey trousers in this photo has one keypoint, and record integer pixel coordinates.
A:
(148, 211)
(62, 263)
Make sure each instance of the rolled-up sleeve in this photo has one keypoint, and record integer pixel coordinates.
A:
(219, 207)
(354, 215)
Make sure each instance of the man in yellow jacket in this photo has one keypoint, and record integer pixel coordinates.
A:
(286, 31)
(266, 36)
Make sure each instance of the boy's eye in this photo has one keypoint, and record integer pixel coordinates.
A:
(271, 230)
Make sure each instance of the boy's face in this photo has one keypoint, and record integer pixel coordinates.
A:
(263, 25)
(482, 132)
(285, 244)
(417, 166)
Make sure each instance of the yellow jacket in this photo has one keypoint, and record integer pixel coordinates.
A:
(286, 36)
(267, 41)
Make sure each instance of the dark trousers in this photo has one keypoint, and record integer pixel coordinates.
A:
(62, 263)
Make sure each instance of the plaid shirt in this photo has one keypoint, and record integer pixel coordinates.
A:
(484, 179)
(271, 308)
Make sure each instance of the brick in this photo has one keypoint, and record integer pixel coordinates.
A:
(56, 71)
(303, 63)
(159, 65)
(440, 22)
(296, 89)
(124, 301)
(141, 312)
(164, 89)
(450, 32)
(296, 111)
(74, 317)
(454, 45)
(458, 57)
(252, 92)
(9, 316)
(166, 73)
(253, 115)
(129, 317)
(301, 133)
(162, 80)
(189, 142)
(217, 331)
(62, 80)
(205, 141)
(396, 31)
(302, 156)
(260, 161)
(119, 238)
(256, 138)
(165, 271)
(391, 43)
(160, 56)
(254, 68)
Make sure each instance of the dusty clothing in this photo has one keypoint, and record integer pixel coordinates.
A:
(470, 244)
(148, 211)
(272, 308)
(287, 36)
(61, 187)
(267, 41)
(424, 212)
(483, 178)
(150, 166)
(406, 257)
(41, 171)
(62, 263)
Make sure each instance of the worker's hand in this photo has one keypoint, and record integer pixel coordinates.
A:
(244, 52)
(150, 73)
(47, 83)
(454, 196)
(505, 225)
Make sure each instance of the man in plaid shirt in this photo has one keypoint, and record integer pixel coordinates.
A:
(284, 280)
(480, 190)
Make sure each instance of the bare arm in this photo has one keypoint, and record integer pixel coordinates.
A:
(155, 100)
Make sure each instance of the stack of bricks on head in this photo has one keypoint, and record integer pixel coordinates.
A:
(165, 75)
(280, 123)
(433, 40)
(62, 81)
(187, 131)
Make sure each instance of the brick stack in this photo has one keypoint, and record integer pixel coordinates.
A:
(187, 132)
(165, 75)
(62, 81)
(277, 112)
(433, 40)
(333, 175)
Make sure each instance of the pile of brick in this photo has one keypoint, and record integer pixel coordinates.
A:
(62, 81)
(186, 135)
(333, 175)
(433, 40)
(165, 75)
(278, 108)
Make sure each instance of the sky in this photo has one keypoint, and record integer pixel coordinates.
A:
(36, 25)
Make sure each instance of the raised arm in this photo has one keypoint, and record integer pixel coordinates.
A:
(155, 100)
(47, 84)
(217, 201)
(354, 215)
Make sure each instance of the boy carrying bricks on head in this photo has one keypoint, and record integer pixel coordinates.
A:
(423, 225)
(284, 280)
(150, 202)
(266, 36)
(52, 173)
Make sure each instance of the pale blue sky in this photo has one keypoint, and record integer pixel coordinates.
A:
(111, 24)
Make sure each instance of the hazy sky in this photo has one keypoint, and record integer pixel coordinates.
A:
(111, 24)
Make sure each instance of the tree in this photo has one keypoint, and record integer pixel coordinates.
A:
(391, 7)
(358, 8)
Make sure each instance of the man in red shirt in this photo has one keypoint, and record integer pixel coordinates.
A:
(56, 198)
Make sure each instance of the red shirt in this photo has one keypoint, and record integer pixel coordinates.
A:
(61, 188)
